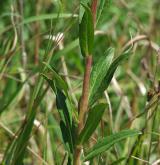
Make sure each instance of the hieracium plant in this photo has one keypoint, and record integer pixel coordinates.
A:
(77, 123)
(95, 82)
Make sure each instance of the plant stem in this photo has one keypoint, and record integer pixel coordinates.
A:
(84, 99)
(94, 10)
(85, 92)
(83, 106)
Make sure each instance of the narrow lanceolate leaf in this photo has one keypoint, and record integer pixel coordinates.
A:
(86, 32)
(94, 117)
(100, 9)
(107, 142)
(65, 111)
(61, 100)
(58, 79)
(99, 72)
(107, 78)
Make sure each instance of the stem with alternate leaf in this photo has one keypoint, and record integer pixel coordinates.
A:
(83, 107)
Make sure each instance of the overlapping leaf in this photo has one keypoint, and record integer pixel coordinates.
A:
(64, 107)
(94, 117)
(99, 72)
(104, 80)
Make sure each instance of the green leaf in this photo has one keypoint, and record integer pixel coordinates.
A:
(61, 100)
(66, 117)
(100, 9)
(107, 78)
(86, 32)
(60, 83)
(94, 117)
(99, 72)
(65, 111)
(104, 144)
(81, 9)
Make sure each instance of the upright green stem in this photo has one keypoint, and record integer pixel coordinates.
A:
(84, 99)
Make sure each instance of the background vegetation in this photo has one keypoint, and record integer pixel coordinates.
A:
(33, 32)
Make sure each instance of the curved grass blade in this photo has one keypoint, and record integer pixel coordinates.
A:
(47, 16)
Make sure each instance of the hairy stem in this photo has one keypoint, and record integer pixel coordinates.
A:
(84, 99)
(83, 106)
(94, 10)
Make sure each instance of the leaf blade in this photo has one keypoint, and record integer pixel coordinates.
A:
(107, 142)
(100, 9)
(86, 32)
(92, 122)
(108, 77)
(65, 112)
(58, 79)
(99, 71)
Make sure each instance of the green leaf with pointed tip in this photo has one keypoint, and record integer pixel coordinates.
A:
(66, 113)
(94, 117)
(107, 78)
(58, 79)
(105, 143)
(99, 72)
(61, 100)
(86, 32)
(100, 9)
(61, 85)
